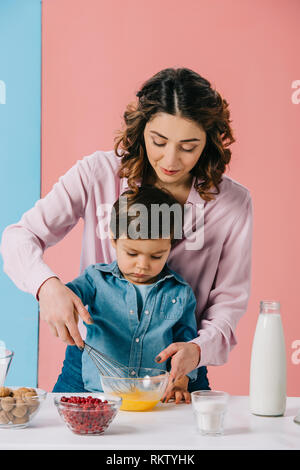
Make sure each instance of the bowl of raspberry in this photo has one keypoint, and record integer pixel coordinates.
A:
(87, 414)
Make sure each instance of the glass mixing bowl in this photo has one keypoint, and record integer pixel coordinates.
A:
(140, 392)
(19, 405)
(87, 413)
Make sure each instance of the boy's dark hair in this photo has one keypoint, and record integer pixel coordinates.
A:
(149, 213)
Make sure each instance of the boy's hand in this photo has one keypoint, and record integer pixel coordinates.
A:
(179, 391)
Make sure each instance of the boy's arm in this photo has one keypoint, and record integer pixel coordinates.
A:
(83, 286)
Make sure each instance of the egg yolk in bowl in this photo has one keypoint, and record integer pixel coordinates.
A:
(138, 400)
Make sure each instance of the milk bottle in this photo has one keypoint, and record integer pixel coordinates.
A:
(268, 363)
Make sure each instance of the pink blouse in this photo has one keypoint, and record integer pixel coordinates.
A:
(217, 267)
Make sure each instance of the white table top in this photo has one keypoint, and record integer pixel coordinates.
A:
(167, 426)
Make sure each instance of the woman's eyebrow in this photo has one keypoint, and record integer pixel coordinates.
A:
(185, 140)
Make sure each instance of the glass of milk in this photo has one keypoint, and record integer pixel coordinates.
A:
(209, 408)
(5, 360)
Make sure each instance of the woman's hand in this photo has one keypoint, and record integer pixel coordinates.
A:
(60, 308)
(185, 358)
(179, 392)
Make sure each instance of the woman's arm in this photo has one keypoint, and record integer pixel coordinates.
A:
(23, 245)
(227, 302)
(228, 298)
(52, 217)
(184, 330)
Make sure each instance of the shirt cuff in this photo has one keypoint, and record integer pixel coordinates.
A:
(193, 375)
(204, 360)
(38, 275)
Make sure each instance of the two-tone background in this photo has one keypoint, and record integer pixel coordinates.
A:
(67, 70)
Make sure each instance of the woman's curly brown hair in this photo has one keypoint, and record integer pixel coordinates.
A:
(184, 92)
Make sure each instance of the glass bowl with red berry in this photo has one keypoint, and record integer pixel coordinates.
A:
(85, 413)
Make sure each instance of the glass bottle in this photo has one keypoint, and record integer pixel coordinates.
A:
(268, 363)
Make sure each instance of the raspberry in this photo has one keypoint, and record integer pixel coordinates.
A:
(94, 415)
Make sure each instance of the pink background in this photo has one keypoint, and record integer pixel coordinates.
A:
(95, 56)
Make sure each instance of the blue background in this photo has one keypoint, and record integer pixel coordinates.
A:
(20, 181)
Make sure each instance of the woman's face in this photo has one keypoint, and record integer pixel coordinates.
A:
(173, 146)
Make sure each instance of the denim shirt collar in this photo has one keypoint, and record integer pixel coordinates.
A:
(113, 268)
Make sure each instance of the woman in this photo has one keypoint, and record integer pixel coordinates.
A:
(176, 136)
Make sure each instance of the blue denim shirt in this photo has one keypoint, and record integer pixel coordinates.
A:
(168, 316)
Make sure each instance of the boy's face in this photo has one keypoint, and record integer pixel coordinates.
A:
(140, 261)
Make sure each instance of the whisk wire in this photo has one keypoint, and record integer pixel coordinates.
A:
(111, 368)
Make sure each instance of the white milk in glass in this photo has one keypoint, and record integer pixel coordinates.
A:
(268, 363)
(210, 416)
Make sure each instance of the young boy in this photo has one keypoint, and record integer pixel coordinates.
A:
(138, 304)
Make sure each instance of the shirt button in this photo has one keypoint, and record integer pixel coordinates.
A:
(147, 312)
(137, 340)
(131, 311)
(133, 372)
(173, 301)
